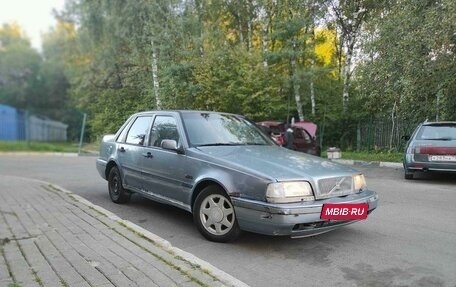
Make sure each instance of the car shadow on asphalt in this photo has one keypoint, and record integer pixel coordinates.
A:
(431, 177)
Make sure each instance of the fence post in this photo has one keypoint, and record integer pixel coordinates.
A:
(27, 128)
(82, 133)
(358, 137)
(369, 135)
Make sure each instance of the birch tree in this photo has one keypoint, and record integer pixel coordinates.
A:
(349, 15)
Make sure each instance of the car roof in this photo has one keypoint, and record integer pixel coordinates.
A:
(183, 112)
(439, 123)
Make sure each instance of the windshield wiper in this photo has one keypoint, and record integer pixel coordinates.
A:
(440, 139)
(255, 144)
(230, 144)
(219, 144)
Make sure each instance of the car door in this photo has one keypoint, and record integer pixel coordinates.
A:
(165, 170)
(130, 152)
(302, 140)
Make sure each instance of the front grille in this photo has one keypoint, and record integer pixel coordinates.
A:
(334, 186)
(317, 224)
(321, 224)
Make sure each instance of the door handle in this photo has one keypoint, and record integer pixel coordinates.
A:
(122, 149)
(148, 155)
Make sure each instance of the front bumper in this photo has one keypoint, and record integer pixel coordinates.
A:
(296, 219)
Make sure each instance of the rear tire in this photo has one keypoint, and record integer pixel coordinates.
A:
(408, 174)
(116, 191)
(214, 215)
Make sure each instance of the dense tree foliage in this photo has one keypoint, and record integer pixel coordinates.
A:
(264, 59)
(37, 82)
(336, 62)
(19, 69)
(409, 69)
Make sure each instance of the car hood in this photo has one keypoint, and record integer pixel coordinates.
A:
(273, 162)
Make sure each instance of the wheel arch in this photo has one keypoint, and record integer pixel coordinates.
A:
(109, 166)
(202, 185)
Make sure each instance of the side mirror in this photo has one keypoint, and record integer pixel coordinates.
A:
(405, 137)
(170, 145)
(108, 138)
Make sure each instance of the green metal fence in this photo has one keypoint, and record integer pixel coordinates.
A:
(370, 134)
(383, 134)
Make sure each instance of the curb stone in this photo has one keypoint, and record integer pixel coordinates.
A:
(34, 153)
(369, 163)
(222, 276)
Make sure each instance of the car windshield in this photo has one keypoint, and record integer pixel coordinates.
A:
(437, 132)
(213, 129)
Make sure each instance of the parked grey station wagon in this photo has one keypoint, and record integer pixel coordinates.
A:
(431, 148)
(227, 173)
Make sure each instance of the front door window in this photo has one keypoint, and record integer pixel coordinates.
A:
(164, 128)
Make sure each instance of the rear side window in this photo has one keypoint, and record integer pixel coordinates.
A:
(138, 131)
(123, 134)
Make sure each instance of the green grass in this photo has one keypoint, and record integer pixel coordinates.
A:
(18, 146)
(371, 155)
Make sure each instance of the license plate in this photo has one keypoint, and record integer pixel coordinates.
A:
(344, 211)
(442, 158)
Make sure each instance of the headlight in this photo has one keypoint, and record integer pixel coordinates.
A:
(359, 182)
(286, 192)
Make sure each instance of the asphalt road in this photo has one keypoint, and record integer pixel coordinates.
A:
(410, 240)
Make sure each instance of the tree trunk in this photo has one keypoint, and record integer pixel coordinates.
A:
(241, 35)
(296, 88)
(200, 9)
(338, 44)
(345, 93)
(312, 88)
(312, 67)
(249, 35)
(393, 123)
(347, 73)
(155, 78)
(264, 46)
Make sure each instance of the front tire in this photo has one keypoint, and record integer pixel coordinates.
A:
(116, 191)
(214, 215)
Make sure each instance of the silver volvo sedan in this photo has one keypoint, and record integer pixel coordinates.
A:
(228, 174)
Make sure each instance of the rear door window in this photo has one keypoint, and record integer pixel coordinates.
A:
(139, 130)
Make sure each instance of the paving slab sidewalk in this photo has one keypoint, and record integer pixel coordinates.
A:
(51, 237)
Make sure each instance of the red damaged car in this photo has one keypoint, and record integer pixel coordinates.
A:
(303, 136)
